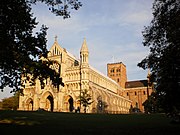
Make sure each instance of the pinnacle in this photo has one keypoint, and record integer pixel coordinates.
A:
(84, 47)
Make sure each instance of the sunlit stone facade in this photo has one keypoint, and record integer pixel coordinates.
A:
(77, 75)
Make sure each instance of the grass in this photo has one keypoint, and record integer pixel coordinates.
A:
(21, 122)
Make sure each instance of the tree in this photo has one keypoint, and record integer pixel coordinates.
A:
(101, 105)
(11, 103)
(85, 99)
(60, 7)
(152, 104)
(162, 37)
(21, 50)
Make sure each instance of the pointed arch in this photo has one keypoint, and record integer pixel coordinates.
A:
(47, 101)
(29, 104)
(69, 103)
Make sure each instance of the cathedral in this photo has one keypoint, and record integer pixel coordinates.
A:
(109, 94)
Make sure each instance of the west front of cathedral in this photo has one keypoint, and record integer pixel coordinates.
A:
(110, 94)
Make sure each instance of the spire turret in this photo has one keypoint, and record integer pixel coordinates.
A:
(84, 53)
(84, 47)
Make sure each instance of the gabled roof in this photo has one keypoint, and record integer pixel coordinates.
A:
(135, 84)
(55, 44)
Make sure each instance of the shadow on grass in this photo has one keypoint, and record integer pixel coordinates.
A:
(22, 122)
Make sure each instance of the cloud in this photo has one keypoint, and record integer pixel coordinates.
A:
(135, 13)
(130, 54)
(6, 93)
(137, 18)
(112, 29)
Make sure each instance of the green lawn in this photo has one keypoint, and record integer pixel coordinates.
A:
(20, 122)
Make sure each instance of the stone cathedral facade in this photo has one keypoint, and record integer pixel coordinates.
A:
(77, 75)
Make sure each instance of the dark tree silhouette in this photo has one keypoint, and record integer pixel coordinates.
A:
(101, 105)
(163, 39)
(60, 7)
(85, 99)
(152, 104)
(21, 50)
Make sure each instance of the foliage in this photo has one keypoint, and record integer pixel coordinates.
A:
(60, 7)
(101, 105)
(85, 99)
(152, 104)
(162, 37)
(21, 50)
(11, 103)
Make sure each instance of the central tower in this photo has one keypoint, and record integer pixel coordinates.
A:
(117, 72)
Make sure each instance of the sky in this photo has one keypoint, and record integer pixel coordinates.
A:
(112, 28)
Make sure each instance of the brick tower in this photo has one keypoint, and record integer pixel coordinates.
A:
(117, 72)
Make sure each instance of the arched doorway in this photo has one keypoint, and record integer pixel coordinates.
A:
(47, 101)
(29, 104)
(50, 103)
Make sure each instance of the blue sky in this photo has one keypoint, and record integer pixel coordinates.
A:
(112, 28)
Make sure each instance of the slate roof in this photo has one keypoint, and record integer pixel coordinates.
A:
(135, 84)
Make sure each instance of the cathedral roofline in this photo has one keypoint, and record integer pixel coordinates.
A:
(136, 83)
(72, 56)
(55, 43)
(95, 70)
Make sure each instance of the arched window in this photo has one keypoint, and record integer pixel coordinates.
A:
(112, 70)
(55, 50)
